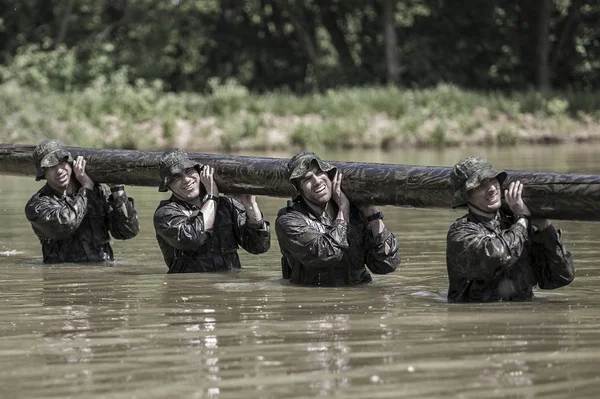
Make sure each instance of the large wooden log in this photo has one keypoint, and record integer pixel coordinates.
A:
(550, 195)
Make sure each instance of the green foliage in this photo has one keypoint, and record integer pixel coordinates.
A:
(305, 136)
(227, 97)
(412, 123)
(506, 137)
(169, 127)
(438, 136)
(241, 127)
(114, 113)
(39, 69)
(468, 124)
(298, 46)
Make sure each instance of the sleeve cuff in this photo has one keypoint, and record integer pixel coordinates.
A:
(340, 223)
(258, 224)
(120, 200)
(522, 229)
(380, 239)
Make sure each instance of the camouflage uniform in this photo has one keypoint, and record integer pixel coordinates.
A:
(186, 245)
(499, 259)
(75, 228)
(320, 251)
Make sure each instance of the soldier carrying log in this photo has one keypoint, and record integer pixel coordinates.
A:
(197, 229)
(492, 256)
(71, 214)
(323, 237)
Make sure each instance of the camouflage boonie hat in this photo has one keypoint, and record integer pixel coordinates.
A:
(47, 154)
(300, 163)
(468, 174)
(174, 162)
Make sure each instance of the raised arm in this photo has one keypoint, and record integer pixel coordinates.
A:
(179, 229)
(123, 221)
(253, 233)
(552, 262)
(301, 238)
(480, 253)
(57, 218)
(383, 254)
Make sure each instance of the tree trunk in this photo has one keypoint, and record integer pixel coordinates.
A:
(302, 31)
(117, 13)
(329, 21)
(64, 25)
(391, 45)
(543, 45)
(548, 195)
(568, 31)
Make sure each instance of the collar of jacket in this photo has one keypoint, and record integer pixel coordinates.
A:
(489, 223)
(300, 205)
(47, 190)
(183, 203)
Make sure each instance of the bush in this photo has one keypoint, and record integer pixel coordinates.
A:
(41, 69)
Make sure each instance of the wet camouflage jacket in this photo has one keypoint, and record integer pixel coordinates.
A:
(490, 260)
(74, 228)
(188, 247)
(319, 251)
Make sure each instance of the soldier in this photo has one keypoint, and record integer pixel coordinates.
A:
(72, 215)
(325, 239)
(198, 230)
(493, 256)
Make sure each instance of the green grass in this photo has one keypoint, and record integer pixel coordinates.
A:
(116, 114)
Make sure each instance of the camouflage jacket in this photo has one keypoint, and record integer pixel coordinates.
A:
(74, 228)
(497, 259)
(319, 251)
(188, 247)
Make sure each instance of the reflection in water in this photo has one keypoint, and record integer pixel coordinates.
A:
(128, 329)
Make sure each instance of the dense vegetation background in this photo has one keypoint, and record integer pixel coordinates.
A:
(117, 64)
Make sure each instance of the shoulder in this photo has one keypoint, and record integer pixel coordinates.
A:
(293, 210)
(41, 201)
(44, 194)
(167, 207)
(290, 216)
(32, 203)
(461, 221)
(463, 226)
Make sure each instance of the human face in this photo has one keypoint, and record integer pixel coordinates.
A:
(488, 196)
(315, 186)
(186, 185)
(59, 175)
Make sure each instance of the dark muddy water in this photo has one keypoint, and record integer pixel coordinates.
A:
(128, 330)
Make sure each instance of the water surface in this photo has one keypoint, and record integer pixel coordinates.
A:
(128, 330)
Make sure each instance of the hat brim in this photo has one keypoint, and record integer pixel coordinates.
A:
(479, 176)
(301, 170)
(176, 169)
(461, 196)
(52, 159)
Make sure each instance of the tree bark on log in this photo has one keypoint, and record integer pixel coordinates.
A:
(548, 195)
